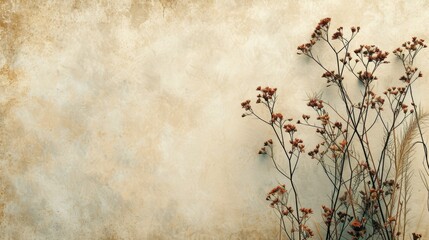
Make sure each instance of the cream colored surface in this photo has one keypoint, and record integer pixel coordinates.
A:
(121, 119)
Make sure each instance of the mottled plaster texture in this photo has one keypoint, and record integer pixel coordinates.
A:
(121, 119)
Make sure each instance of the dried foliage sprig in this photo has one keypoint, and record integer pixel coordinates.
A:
(370, 180)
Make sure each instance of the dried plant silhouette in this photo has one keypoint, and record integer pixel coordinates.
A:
(366, 147)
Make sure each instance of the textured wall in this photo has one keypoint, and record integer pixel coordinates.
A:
(121, 119)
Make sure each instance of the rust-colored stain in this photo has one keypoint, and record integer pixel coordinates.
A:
(10, 30)
(9, 76)
(121, 119)
(10, 33)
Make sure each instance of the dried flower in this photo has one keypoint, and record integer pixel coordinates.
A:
(290, 128)
(307, 231)
(246, 105)
(338, 34)
(306, 211)
(262, 151)
(279, 189)
(305, 117)
(416, 236)
(318, 33)
(356, 225)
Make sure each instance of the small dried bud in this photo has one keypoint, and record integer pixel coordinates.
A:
(416, 236)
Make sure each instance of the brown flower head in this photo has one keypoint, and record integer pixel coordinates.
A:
(356, 225)
(416, 236)
(276, 117)
(338, 34)
(267, 93)
(246, 105)
(308, 233)
(306, 211)
(290, 128)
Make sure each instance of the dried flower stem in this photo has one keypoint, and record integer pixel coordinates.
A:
(370, 187)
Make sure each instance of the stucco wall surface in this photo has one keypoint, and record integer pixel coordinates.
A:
(122, 119)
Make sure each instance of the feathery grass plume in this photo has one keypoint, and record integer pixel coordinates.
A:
(318, 231)
(403, 171)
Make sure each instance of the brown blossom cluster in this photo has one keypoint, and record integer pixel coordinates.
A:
(315, 103)
(407, 53)
(409, 74)
(321, 28)
(307, 232)
(366, 77)
(336, 150)
(289, 128)
(297, 143)
(374, 194)
(279, 189)
(275, 196)
(395, 91)
(371, 53)
(343, 144)
(343, 217)
(246, 105)
(327, 215)
(404, 107)
(338, 125)
(357, 228)
(370, 199)
(267, 93)
(263, 150)
(331, 76)
(324, 119)
(305, 117)
(374, 101)
(315, 151)
(398, 93)
(321, 32)
(287, 210)
(410, 46)
(321, 131)
(338, 34)
(416, 236)
(306, 212)
(347, 59)
(268, 143)
(276, 117)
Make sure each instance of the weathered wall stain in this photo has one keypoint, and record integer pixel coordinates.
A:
(121, 119)
(10, 38)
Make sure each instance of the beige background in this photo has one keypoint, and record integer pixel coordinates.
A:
(121, 119)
